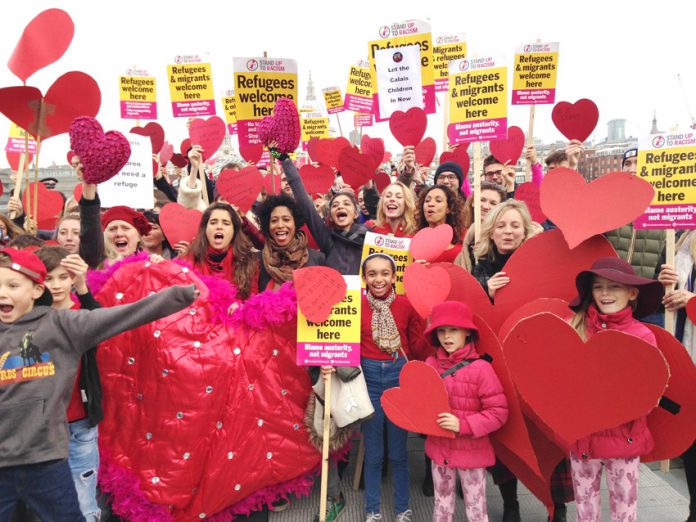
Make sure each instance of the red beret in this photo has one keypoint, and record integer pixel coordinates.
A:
(127, 214)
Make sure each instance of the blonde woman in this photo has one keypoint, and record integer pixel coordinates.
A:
(396, 212)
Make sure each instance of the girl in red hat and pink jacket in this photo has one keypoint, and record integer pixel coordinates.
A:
(479, 407)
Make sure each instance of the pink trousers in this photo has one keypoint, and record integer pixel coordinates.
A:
(474, 487)
(622, 483)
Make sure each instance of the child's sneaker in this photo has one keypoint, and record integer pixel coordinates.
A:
(405, 516)
(373, 517)
(334, 509)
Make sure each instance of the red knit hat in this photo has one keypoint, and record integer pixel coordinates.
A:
(450, 313)
(29, 265)
(127, 214)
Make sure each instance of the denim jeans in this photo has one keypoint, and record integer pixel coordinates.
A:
(84, 463)
(47, 488)
(380, 376)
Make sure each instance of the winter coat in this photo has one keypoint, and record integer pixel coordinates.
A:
(631, 439)
(641, 248)
(487, 267)
(476, 398)
(315, 259)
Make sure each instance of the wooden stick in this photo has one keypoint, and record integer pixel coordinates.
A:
(325, 449)
(530, 141)
(339, 124)
(478, 170)
(359, 462)
(204, 187)
(669, 315)
(18, 179)
(445, 124)
(35, 228)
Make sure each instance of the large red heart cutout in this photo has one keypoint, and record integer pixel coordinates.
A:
(425, 152)
(251, 152)
(319, 289)
(372, 147)
(408, 127)
(317, 180)
(429, 243)
(166, 153)
(102, 154)
(426, 286)
(557, 307)
(49, 208)
(271, 182)
(606, 203)
(673, 434)
(155, 132)
(508, 151)
(459, 155)
(13, 159)
(208, 134)
(382, 180)
(240, 187)
(178, 160)
(355, 167)
(576, 121)
(179, 223)
(44, 40)
(418, 400)
(327, 150)
(529, 193)
(549, 363)
(690, 307)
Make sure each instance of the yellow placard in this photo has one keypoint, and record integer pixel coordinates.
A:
(478, 94)
(190, 82)
(229, 107)
(397, 247)
(18, 132)
(137, 89)
(535, 71)
(333, 100)
(314, 127)
(442, 55)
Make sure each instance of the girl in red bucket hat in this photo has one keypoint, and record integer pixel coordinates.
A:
(478, 405)
(610, 297)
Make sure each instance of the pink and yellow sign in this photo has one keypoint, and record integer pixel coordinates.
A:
(229, 108)
(478, 100)
(401, 34)
(362, 119)
(333, 100)
(534, 74)
(258, 84)
(191, 87)
(359, 89)
(446, 49)
(314, 125)
(16, 141)
(138, 95)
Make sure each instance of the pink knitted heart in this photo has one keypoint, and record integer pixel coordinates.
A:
(102, 154)
(283, 127)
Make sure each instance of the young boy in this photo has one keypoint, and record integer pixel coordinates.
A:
(39, 352)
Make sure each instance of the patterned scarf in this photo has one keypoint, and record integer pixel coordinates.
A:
(384, 331)
(280, 261)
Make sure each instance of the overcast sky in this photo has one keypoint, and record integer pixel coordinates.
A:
(623, 55)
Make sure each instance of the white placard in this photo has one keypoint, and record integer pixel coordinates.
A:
(133, 185)
(398, 79)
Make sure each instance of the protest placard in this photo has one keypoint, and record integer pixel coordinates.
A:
(133, 185)
(446, 49)
(138, 95)
(397, 247)
(229, 108)
(16, 140)
(534, 74)
(359, 89)
(314, 125)
(191, 87)
(333, 100)
(398, 80)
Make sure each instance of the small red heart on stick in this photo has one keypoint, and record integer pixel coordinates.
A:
(166, 153)
(49, 208)
(184, 147)
(382, 180)
(13, 160)
(429, 243)
(208, 134)
(356, 168)
(576, 121)
(425, 152)
(178, 160)
(317, 180)
(179, 223)
(77, 192)
(251, 152)
(604, 204)
(508, 151)
(240, 187)
(102, 154)
(372, 147)
(408, 127)
(327, 151)
(459, 155)
(319, 289)
(155, 132)
(426, 287)
(529, 193)
(418, 400)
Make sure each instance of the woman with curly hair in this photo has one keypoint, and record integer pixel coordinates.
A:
(286, 248)
(438, 205)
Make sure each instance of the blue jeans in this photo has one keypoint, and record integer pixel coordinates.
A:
(84, 463)
(656, 318)
(47, 488)
(380, 376)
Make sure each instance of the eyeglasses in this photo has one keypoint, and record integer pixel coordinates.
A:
(493, 173)
(447, 177)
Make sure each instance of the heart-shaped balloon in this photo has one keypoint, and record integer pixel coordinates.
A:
(208, 134)
(355, 167)
(50, 205)
(408, 127)
(529, 193)
(418, 400)
(44, 40)
(611, 360)
(317, 180)
(429, 243)
(426, 286)
(240, 187)
(155, 132)
(425, 152)
(102, 154)
(576, 121)
(508, 151)
(251, 152)
(372, 147)
(166, 153)
(327, 150)
(606, 203)
(318, 289)
(179, 223)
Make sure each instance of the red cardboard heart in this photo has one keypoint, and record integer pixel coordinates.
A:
(49, 208)
(508, 151)
(576, 121)
(426, 286)
(77, 192)
(611, 360)
(382, 180)
(372, 147)
(240, 187)
(44, 40)
(208, 134)
(13, 160)
(184, 147)
(425, 152)
(459, 156)
(317, 180)
(327, 150)
(179, 223)
(251, 152)
(408, 127)
(465, 288)
(178, 160)
(356, 168)
(418, 400)
(606, 203)
(387, 156)
(271, 182)
(102, 154)
(690, 307)
(529, 193)
(155, 132)
(429, 243)
(166, 153)
(673, 434)
(319, 289)
(557, 307)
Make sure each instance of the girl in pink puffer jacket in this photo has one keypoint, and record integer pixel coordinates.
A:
(478, 405)
(610, 294)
